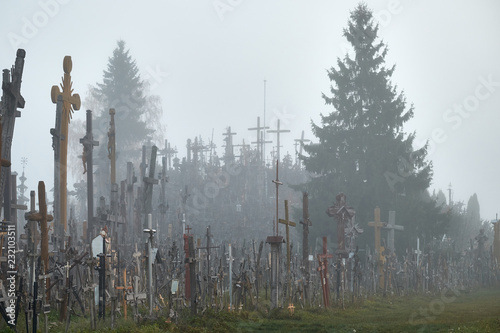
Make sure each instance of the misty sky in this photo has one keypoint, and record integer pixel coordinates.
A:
(207, 60)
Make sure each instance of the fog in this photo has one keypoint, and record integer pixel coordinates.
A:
(208, 61)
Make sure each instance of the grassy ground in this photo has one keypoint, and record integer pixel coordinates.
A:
(450, 311)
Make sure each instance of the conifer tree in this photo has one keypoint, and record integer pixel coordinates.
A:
(363, 150)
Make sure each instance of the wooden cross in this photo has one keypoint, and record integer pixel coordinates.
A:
(391, 225)
(125, 288)
(300, 142)
(5, 163)
(11, 100)
(323, 270)
(148, 186)
(418, 252)
(288, 223)
(229, 153)
(260, 142)
(71, 102)
(42, 217)
(278, 183)
(342, 213)
(377, 224)
(278, 131)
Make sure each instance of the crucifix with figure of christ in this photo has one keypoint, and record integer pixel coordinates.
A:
(71, 102)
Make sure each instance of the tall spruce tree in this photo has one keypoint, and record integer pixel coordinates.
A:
(363, 150)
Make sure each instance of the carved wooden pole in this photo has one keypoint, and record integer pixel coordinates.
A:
(11, 100)
(70, 102)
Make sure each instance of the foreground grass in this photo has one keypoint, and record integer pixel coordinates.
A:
(452, 311)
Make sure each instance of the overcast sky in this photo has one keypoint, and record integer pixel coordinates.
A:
(208, 60)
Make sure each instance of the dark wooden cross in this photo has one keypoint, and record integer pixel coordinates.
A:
(229, 153)
(89, 143)
(278, 183)
(168, 152)
(288, 224)
(306, 223)
(323, 271)
(11, 100)
(342, 213)
(300, 143)
(148, 186)
(278, 131)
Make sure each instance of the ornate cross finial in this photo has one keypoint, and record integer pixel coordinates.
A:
(71, 102)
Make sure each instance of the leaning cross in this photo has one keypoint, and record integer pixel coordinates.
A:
(392, 226)
(70, 102)
(288, 223)
(377, 224)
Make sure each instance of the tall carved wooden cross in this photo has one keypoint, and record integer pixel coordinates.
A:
(11, 100)
(342, 213)
(377, 225)
(71, 102)
(288, 224)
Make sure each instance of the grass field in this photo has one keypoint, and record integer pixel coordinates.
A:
(450, 311)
